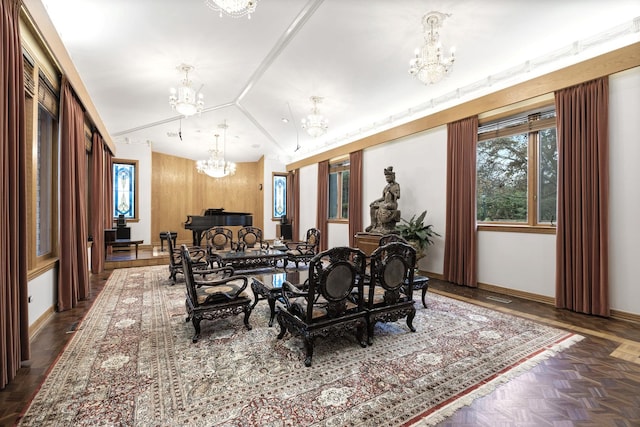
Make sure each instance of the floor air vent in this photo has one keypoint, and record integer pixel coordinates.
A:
(498, 299)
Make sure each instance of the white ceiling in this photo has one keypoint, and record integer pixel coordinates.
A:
(353, 53)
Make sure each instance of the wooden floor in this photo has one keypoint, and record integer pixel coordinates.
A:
(596, 382)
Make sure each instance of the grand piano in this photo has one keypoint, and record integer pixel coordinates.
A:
(214, 218)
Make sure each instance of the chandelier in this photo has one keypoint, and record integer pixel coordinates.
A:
(185, 100)
(216, 166)
(315, 124)
(233, 8)
(429, 65)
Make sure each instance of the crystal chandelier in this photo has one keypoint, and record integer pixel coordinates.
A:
(233, 8)
(185, 100)
(216, 166)
(429, 65)
(315, 124)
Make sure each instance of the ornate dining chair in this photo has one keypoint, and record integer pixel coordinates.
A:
(303, 251)
(389, 288)
(249, 237)
(198, 257)
(330, 303)
(221, 295)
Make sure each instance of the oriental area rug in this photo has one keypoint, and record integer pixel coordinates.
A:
(131, 362)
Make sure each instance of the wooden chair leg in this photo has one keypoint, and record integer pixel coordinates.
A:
(410, 317)
(196, 324)
(247, 313)
(308, 344)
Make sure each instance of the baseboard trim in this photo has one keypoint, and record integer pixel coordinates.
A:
(40, 322)
(515, 293)
(622, 315)
(614, 314)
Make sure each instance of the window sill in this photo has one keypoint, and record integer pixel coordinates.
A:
(42, 267)
(338, 221)
(510, 228)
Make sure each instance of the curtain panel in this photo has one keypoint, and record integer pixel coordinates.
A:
(323, 204)
(14, 312)
(460, 259)
(293, 205)
(355, 196)
(101, 216)
(73, 277)
(582, 259)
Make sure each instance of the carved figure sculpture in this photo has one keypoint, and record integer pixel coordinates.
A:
(384, 211)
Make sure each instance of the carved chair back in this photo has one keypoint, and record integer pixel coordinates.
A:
(389, 292)
(335, 281)
(219, 239)
(392, 270)
(249, 237)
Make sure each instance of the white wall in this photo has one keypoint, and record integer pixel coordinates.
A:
(624, 202)
(308, 199)
(140, 230)
(42, 291)
(521, 261)
(420, 164)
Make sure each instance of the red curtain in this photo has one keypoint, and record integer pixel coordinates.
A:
(582, 260)
(293, 204)
(14, 313)
(323, 204)
(460, 261)
(355, 196)
(73, 277)
(101, 217)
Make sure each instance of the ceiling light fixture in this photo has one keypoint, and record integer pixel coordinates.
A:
(216, 166)
(185, 100)
(429, 65)
(315, 124)
(233, 8)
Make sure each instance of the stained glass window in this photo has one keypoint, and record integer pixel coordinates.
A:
(279, 196)
(124, 190)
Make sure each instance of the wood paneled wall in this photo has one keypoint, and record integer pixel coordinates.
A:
(178, 190)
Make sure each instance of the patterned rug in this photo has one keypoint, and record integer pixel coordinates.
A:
(132, 363)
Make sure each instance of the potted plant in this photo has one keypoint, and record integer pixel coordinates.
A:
(419, 235)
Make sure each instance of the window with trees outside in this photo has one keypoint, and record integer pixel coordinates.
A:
(125, 188)
(339, 190)
(517, 165)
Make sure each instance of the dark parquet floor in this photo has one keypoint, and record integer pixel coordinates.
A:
(583, 385)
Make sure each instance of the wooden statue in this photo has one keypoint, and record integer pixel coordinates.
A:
(384, 211)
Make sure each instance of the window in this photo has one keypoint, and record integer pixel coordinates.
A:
(125, 188)
(47, 131)
(279, 196)
(339, 190)
(517, 168)
(41, 125)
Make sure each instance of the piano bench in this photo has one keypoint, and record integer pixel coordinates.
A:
(163, 237)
